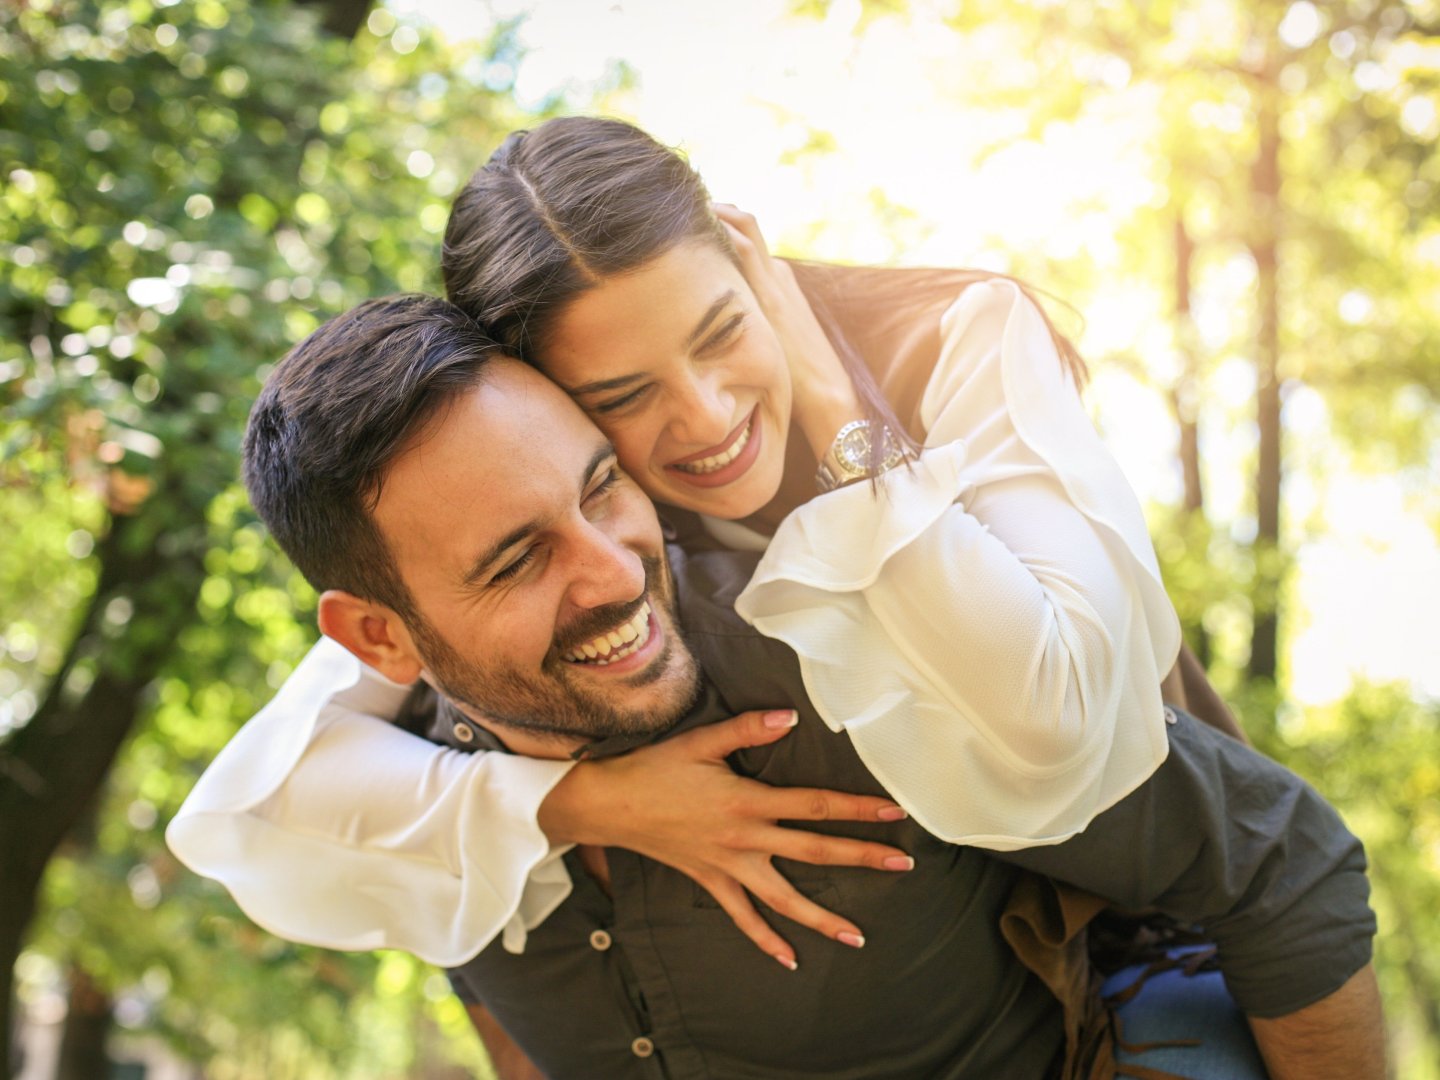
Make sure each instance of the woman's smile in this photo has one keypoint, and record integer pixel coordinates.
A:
(726, 462)
(665, 358)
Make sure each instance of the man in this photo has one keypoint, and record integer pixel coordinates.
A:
(484, 559)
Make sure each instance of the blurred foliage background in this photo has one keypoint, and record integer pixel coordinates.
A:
(189, 186)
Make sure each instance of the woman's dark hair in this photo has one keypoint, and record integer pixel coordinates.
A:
(557, 210)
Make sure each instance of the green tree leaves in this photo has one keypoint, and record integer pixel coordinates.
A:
(188, 188)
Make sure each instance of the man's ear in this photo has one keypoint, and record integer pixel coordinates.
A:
(373, 632)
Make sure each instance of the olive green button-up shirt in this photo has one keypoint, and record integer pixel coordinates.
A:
(654, 981)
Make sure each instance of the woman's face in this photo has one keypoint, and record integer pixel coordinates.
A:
(678, 366)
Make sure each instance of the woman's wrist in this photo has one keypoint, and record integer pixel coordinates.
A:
(566, 814)
(821, 416)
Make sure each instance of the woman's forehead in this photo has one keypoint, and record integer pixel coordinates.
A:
(630, 320)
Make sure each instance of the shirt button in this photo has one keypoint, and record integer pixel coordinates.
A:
(642, 1047)
(1170, 717)
(600, 940)
(463, 732)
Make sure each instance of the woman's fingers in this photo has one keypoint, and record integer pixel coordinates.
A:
(740, 221)
(822, 850)
(715, 742)
(755, 261)
(770, 887)
(718, 741)
(719, 827)
(736, 903)
(749, 242)
(781, 897)
(822, 804)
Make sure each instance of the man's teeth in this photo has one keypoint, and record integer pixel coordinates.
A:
(719, 461)
(617, 644)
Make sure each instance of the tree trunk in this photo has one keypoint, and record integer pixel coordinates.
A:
(14, 916)
(1185, 401)
(1264, 248)
(342, 18)
(83, 1055)
(1185, 395)
(51, 769)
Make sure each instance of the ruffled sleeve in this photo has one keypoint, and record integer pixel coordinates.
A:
(332, 827)
(989, 626)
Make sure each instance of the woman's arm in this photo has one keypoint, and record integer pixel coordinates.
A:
(1001, 594)
(332, 827)
(824, 399)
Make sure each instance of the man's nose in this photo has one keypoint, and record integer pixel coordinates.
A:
(606, 571)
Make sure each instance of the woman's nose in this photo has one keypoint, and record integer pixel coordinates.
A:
(703, 413)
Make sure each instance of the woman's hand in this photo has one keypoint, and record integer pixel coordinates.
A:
(824, 398)
(678, 802)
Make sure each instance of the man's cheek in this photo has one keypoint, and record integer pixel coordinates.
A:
(639, 515)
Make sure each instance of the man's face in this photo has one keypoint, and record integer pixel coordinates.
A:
(537, 567)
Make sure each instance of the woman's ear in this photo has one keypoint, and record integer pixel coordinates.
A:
(373, 632)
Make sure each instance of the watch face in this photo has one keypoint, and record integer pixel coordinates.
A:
(853, 450)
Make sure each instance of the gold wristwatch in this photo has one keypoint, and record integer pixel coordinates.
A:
(848, 458)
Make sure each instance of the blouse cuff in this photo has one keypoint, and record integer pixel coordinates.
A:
(471, 864)
(824, 589)
(875, 521)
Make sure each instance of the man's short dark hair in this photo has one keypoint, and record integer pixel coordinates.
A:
(338, 409)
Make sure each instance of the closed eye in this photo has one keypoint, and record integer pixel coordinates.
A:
(728, 332)
(603, 487)
(606, 484)
(616, 404)
(523, 560)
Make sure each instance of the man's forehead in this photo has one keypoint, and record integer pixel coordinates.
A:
(494, 458)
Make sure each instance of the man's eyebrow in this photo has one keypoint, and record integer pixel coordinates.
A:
(603, 453)
(599, 386)
(481, 566)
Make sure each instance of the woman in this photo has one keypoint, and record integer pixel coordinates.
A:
(985, 618)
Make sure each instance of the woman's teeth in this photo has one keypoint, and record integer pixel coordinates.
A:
(719, 461)
(617, 644)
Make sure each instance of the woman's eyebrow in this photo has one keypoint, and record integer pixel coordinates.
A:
(710, 313)
(599, 386)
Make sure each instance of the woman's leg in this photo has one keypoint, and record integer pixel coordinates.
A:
(1172, 1006)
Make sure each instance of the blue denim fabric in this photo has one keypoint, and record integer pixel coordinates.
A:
(1173, 1005)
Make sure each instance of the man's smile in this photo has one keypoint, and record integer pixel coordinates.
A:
(626, 639)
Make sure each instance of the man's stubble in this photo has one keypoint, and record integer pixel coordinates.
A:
(557, 703)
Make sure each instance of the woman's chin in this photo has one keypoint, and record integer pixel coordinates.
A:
(732, 502)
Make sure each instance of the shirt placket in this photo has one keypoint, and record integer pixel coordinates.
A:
(647, 973)
(615, 948)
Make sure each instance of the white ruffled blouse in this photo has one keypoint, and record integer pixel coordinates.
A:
(990, 629)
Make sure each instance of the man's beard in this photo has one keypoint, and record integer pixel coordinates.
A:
(560, 701)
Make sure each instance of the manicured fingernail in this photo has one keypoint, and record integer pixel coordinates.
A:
(898, 862)
(786, 962)
(782, 718)
(891, 813)
(855, 941)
